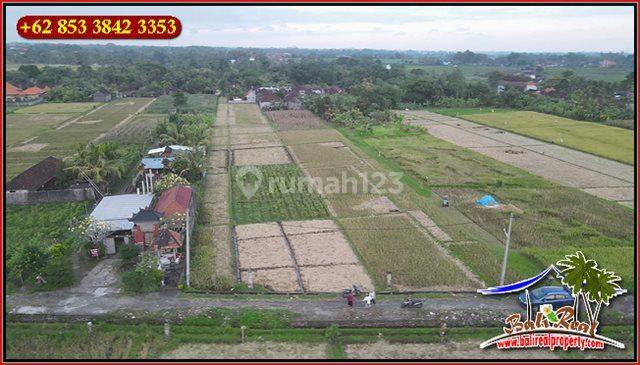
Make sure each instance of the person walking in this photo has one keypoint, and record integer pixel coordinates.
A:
(372, 294)
(367, 301)
(350, 299)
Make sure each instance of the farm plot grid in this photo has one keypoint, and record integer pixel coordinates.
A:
(273, 193)
(307, 256)
(34, 142)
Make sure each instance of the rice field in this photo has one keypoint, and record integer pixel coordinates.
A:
(138, 129)
(606, 141)
(58, 108)
(295, 119)
(272, 193)
(60, 138)
(247, 114)
(393, 243)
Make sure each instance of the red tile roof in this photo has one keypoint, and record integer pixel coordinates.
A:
(34, 90)
(174, 200)
(12, 90)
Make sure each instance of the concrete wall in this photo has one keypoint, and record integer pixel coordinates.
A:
(25, 197)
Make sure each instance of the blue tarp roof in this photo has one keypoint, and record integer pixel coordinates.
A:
(487, 201)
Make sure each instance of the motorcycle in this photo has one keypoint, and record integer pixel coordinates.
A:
(412, 303)
(356, 290)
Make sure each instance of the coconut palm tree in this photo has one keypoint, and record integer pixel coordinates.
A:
(101, 163)
(577, 272)
(601, 287)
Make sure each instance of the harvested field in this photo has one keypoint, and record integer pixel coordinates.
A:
(280, 193)
(610, 142)
(295, 119)
(435, 351)
(290, 138)
(316, 155)
(392, 243)
(430, 225)
(282, 279)
(258, 230)
(57, 108)
(260, 156)
(381, 205)
(353, 205)
(334, 278)
(22, 127)
(322, 249)
(247, 114)
(264, 252)
(254, 140)
(257, 129)
(30, 147)
(249, 351)
(312, 226)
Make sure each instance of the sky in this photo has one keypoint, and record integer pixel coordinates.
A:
(423, 28)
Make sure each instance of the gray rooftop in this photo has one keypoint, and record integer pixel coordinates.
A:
(117, 209)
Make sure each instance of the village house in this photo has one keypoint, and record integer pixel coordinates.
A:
(101, 97)
(116, 211)
(41, 176)
(18, 97)
(150, 231)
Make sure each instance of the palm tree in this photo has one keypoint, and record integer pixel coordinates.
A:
(577, 273)
(100, 163)
(601, 288)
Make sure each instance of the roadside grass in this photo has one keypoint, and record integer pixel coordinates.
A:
(58, 108)
(392, 243)
(601, 140)
(552, 217)
(146, 341)
(196, 103)
(63, 142)
(282, 195)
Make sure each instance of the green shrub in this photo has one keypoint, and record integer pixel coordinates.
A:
(129, 253)
(27, 261)
(332, 334)
(58, 273)
(145, 277)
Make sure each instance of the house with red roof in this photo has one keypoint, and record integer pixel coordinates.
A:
(162, 228)
(29, 96)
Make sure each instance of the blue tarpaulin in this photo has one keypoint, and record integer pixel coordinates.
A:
(487, 201)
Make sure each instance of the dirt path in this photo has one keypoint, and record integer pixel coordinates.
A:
(456, 309)
(592, 174)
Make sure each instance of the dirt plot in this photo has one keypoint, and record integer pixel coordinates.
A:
(310, 136)
(295, 119)
(217, 161)
(261, 156)
(352, 205)
(380, 205)
(334, 278)
(454, 350)
(322, 249)
(461, 137)
(249, 350)
(254, 140)
(282, 279)
(311, 226)
(238, 130)
(264, 252)
(258, 230)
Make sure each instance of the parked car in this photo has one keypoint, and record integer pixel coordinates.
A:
(557, 296)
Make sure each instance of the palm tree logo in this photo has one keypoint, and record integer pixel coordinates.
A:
(588, 282)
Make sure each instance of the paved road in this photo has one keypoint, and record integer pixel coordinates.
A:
(595, 175)
(455, 309)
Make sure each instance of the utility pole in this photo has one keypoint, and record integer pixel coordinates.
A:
(188, 254)
(506, 249)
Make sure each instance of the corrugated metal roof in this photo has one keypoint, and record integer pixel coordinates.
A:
(117, 209)
(154, 163)
(173, 147)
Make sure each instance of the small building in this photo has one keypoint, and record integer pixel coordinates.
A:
(41, 176)
(18, 97)
(101, 97)
(531, 86)
(169, 151)
(116, 211)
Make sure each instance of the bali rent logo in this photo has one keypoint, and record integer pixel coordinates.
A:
(561, 327)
